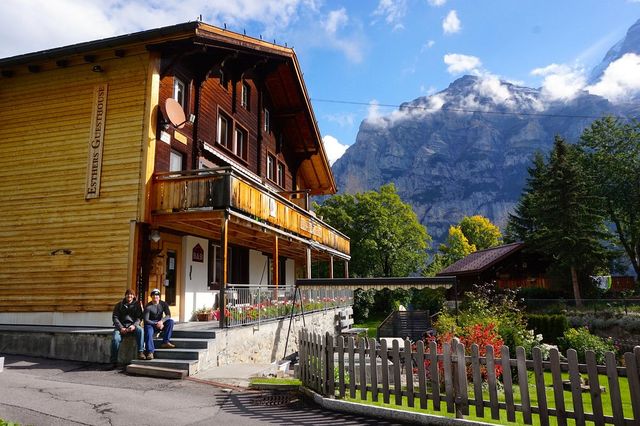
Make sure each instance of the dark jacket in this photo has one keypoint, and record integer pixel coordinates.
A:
(153, 313)
(126, 314)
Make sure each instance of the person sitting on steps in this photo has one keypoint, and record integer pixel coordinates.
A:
(157, 317)
(127, 314)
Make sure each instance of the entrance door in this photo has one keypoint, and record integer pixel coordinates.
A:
(166, 273)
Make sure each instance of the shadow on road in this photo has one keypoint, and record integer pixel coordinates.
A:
(288, 408)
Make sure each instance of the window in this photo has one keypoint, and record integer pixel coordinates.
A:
(280, 175)
(175, 161)
(267, 124)
(240, 147)
(179, 93)
(223, 80)
(224, 130)
(245, 96)
(271, 163)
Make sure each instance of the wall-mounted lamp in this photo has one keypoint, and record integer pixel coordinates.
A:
(154, 236)
(97, 68)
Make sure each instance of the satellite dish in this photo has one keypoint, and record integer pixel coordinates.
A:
(175, 113)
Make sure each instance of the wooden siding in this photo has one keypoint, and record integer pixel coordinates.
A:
(218, 191)
(44, 139)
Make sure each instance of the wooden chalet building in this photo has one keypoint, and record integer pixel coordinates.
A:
(180, 158)
(509, 266)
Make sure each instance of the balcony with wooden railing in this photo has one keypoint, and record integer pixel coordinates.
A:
(199, 191)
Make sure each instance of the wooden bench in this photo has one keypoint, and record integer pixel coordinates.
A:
(345, 323)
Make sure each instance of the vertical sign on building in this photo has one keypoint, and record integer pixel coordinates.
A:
(96, 142)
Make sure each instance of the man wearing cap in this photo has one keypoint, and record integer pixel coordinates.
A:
(157, 317)
(127, 314)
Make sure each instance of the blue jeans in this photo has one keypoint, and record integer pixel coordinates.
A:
(117, 339)
(150, 330)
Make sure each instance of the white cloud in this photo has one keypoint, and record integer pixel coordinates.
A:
(65, 22)
(393, 11)
(620, 80)
(451, 23)
(373, 112)
(436, 102)
(342, 120)
(441, 2)
(458, 63)
(335, 20)
(428, 45)
(561, 82)
(333, 148)
(490, 86)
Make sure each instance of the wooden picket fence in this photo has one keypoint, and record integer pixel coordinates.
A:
(337, 367)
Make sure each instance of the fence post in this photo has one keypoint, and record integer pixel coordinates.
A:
(576, 390)
(540, 387)
(477, 380)
(594, 387)
(363, 368)
(448, 376)
(558, 391)
(330, 387)
(492, 382)
(373, 363)
(408, 370)
(507, 380)
(462, 389)
(523, 384)
(633, 374)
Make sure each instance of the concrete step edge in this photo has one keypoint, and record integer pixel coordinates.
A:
(153, 371)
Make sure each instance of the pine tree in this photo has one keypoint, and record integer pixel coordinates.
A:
(559, 215)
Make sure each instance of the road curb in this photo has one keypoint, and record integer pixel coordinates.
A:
(385, 413)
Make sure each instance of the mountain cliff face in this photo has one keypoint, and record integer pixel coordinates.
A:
(466, 149)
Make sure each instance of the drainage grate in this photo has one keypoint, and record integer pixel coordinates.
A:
(279, 398)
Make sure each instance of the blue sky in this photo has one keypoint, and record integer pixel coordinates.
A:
(366, 52)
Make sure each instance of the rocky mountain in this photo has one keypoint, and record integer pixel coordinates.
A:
(466, 149)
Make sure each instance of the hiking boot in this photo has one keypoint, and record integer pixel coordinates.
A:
(167, 345)
(141, 355)
(150, 356)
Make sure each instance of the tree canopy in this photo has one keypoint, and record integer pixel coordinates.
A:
(558, 214)
(386, 237)
(480, 232)
(471, 234)
(611, 151)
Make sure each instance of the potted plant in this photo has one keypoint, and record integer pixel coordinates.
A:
(204, 314)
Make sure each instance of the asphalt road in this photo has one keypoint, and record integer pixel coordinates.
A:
(38, 391)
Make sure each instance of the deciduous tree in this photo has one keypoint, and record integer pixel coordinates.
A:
(612, 155)
(386, 237)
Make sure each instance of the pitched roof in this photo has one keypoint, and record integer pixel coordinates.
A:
(288, 81)
(481, 260)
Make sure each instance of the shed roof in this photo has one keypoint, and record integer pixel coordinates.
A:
(481, 260)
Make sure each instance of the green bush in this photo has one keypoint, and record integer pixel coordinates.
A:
(428, 299)
(581, 340)
(489, 305)
(362, 304)
(552, 327)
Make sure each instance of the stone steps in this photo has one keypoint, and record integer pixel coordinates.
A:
(153, 371)
(193, 352)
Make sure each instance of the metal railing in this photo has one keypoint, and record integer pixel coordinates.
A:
(253, 303)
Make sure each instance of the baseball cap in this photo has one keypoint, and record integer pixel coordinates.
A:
(155, 291)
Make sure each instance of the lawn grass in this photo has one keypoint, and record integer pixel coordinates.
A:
(586, 399)
(371, 324)
(272, 381)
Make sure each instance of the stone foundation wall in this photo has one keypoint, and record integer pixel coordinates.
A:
(88, 346)
(265, 343)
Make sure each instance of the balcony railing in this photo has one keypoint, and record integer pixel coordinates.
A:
(212, 189)
(251, 304)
